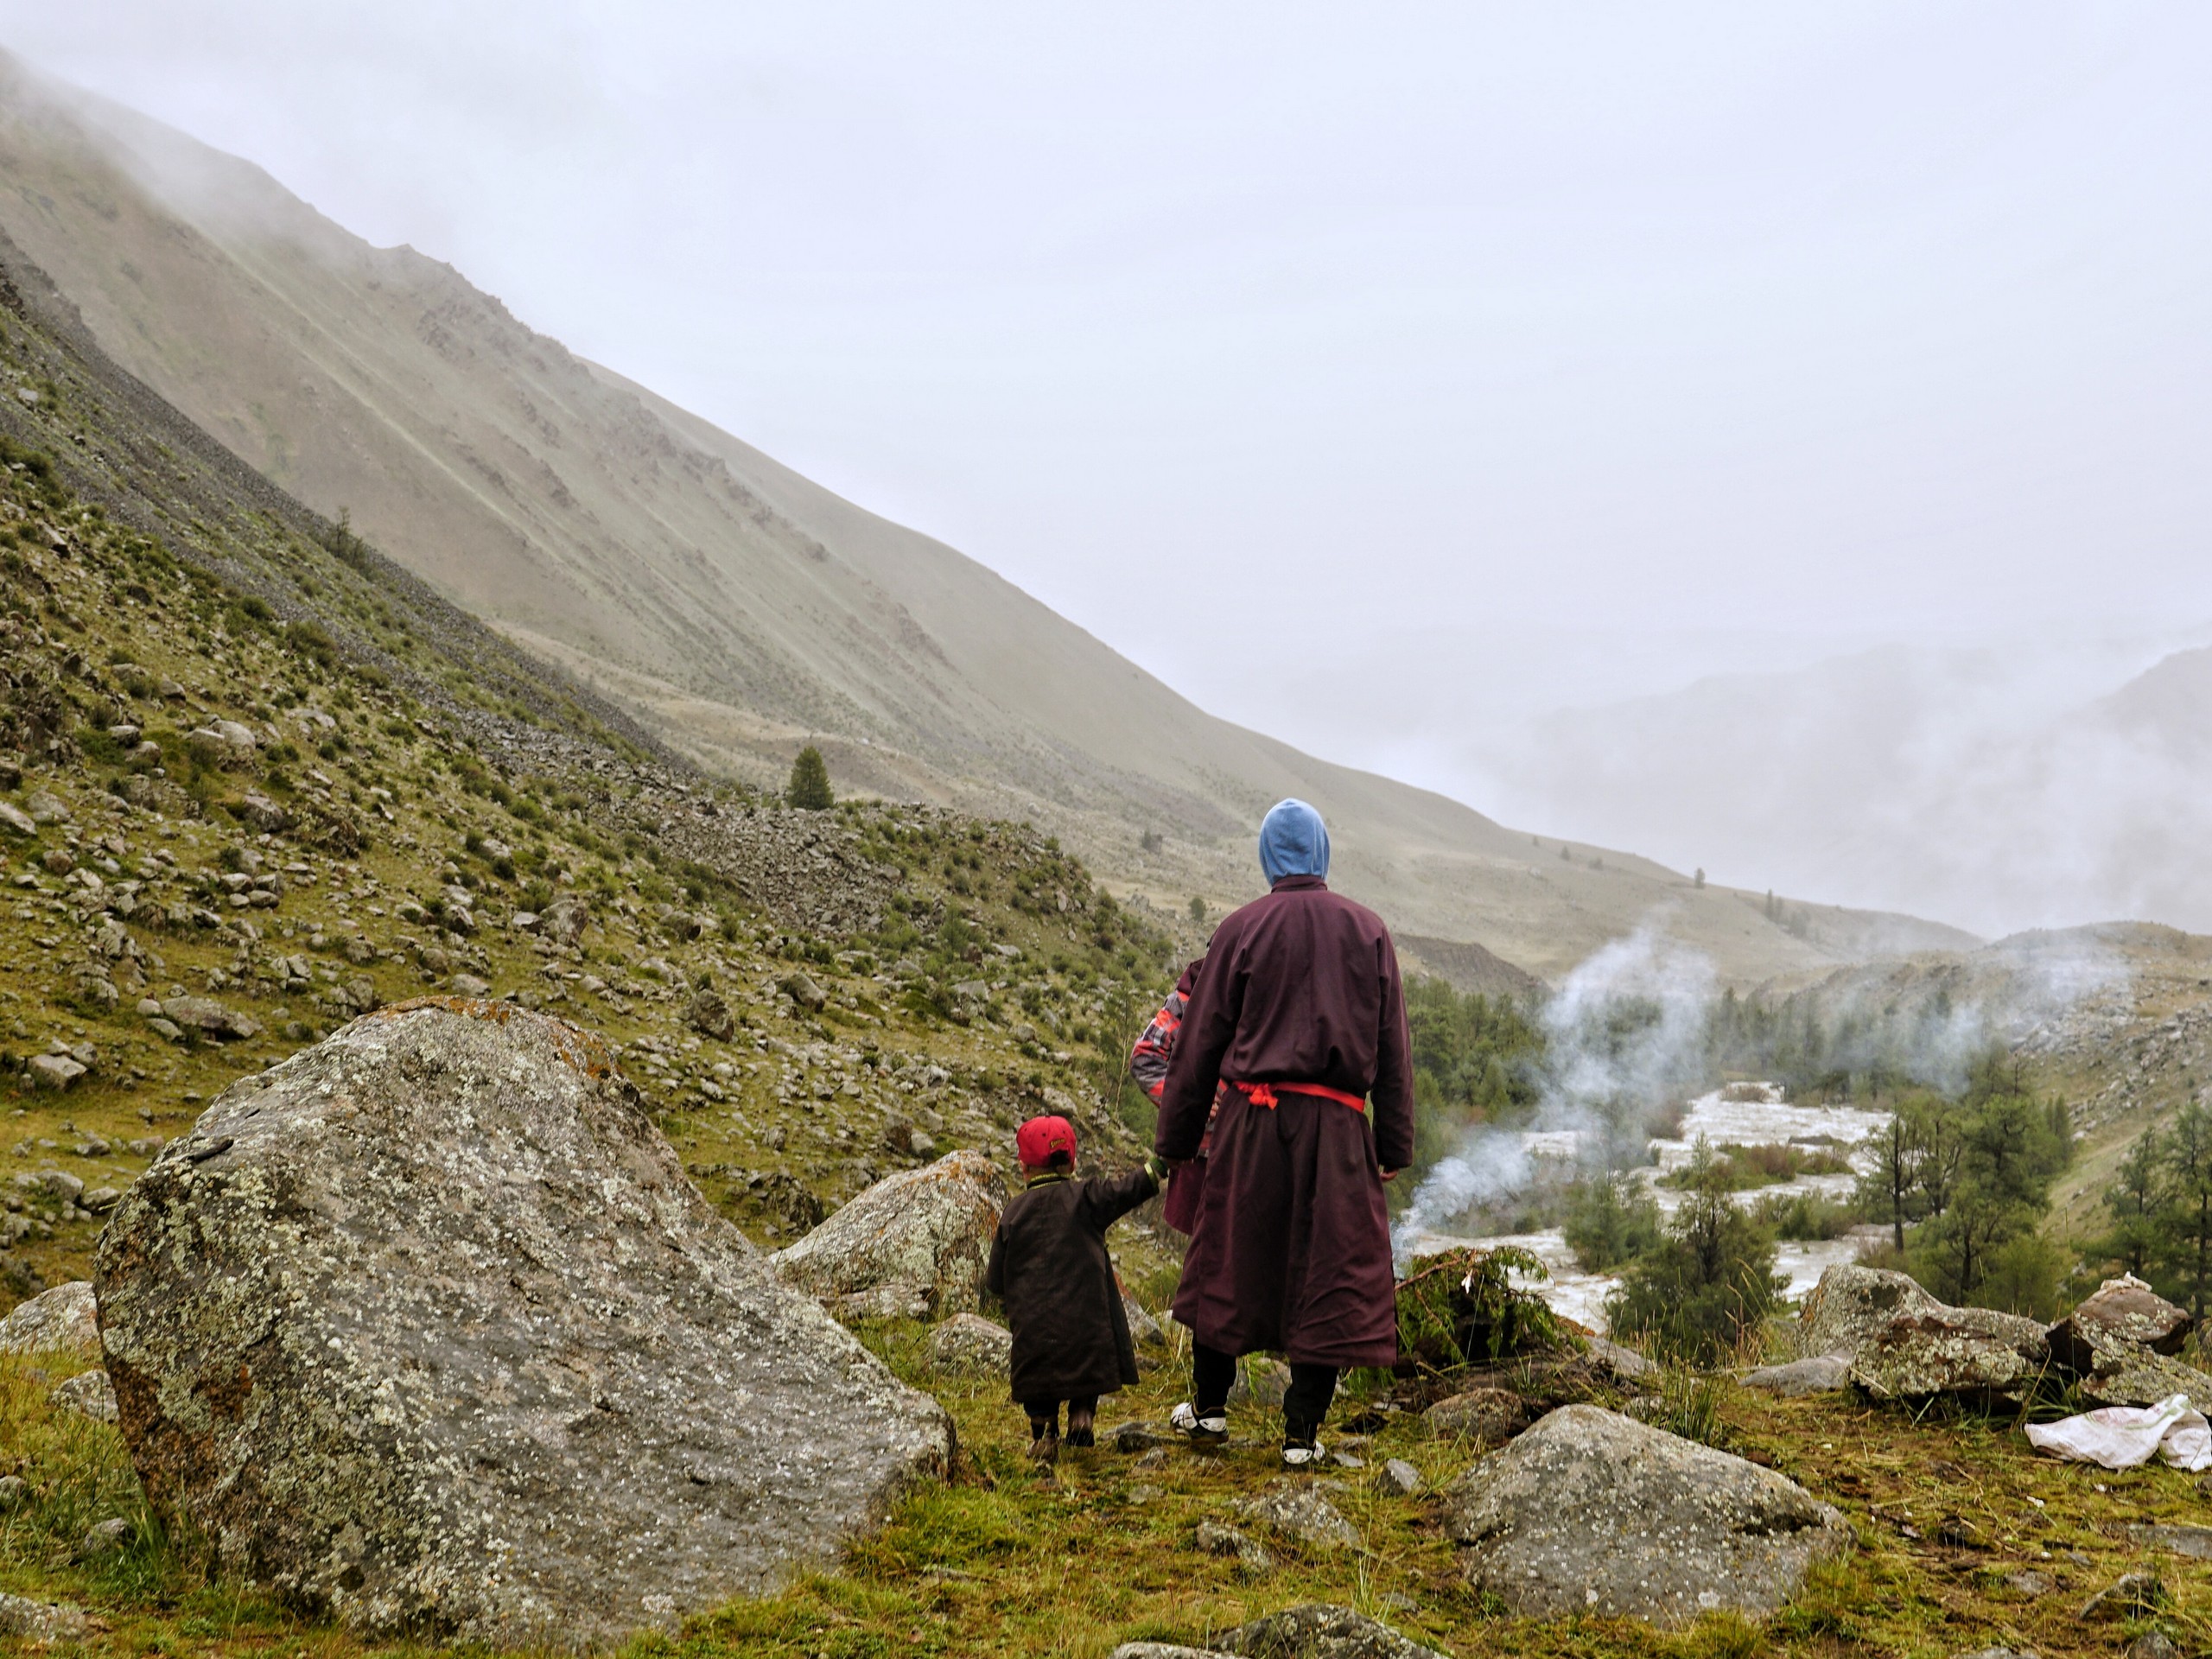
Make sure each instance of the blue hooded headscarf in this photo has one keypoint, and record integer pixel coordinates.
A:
(1293, 842)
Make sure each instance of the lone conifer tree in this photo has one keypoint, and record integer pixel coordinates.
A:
(809, 784)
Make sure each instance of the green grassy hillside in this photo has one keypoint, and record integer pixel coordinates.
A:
(257, 782)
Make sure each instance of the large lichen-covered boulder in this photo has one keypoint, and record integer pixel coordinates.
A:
(1975, 1352)
(63, 1319)
(912, 1246)
(426, 1328)
(1851, 1303)
(1594, 1512)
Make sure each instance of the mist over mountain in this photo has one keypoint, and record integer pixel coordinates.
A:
(2037, 785)
(738, 608)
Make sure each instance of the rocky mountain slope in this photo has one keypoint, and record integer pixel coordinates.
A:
(254, 781)
(736, 608)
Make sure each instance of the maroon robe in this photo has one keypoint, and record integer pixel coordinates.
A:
(1291, 1251)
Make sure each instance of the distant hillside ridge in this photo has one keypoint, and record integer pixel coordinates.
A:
(736, 609)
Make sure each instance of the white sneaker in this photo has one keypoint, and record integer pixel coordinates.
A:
(1305, 1457)
(1185, 1420)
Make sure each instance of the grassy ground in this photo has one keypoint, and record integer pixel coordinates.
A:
(1949, 1514)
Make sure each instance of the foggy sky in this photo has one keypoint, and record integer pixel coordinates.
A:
(1513, 358)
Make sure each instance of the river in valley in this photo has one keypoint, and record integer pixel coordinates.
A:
(1745, 1114)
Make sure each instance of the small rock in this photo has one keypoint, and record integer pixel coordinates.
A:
(564, 921)
(89, 1394)
(46, 809)
(1623, 1365)
(1260, 1380)
(211, 1019)
(710, 1015)
(2196, 1542)
(2028, 1582)
(968, 1344)
(1317, 1631)
(2132, 1595)
(45, 1621)
(1820, 1373)
(1136, 1436)
(107, 1537)
(1397, 1478)
(55, 1071)
(1297, 1509)
(470, 986)
(16, 821)
(14, 1491)
(2153, 1644)
(802, 990)
(1164, 1650)
(1491, 1414)
(64, 1318)
(100, 1199)
(1218, 1539)
(1998, 1653)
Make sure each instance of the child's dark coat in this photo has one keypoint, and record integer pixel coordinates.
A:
(1049, 1264)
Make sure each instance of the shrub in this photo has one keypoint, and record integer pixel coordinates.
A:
(1709, 1284)
(809, 788)
(1462, 1308)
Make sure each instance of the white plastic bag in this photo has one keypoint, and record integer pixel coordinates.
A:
(2121, 1437)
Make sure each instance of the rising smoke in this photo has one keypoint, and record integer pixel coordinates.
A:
(1625, 1035)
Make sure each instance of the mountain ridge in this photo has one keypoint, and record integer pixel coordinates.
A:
(738, 608)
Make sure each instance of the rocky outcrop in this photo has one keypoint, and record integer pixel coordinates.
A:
(914, 1245)
(425, 1328)
(1851, 1303)
(2136, 1377)
(2125, 1315)
(1972, 1352)
(1590, 1511)
(64, 1318)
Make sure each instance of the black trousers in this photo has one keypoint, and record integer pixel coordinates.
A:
(1048, 1411)
(1304, 1402)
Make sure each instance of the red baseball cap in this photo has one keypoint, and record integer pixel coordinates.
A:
(1040, 1137)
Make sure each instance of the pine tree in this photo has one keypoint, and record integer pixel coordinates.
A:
(810, 785)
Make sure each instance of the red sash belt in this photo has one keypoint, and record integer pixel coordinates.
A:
(1263, 1094)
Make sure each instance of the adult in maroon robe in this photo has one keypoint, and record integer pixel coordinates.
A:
(1290, 1249)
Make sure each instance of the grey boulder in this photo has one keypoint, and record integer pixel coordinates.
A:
(426, 1329)
(1591, 1511)
(64, 1318)
(1973, 1352)
(1851, 1303)
(912, 1246)
(2136, 1377)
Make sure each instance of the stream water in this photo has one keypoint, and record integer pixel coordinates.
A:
(1745, 1114)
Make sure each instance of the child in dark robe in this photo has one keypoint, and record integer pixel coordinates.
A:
(1050, 1266)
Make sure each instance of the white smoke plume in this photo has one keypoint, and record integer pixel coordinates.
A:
(1624, 1033)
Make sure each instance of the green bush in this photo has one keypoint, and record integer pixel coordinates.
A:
(1707, 1288)
(1609, 1223)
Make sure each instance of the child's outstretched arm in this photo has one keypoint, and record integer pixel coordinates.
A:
(1107, 1199)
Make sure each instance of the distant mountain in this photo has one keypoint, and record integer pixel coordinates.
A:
(1999, 789)
(737, 608)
